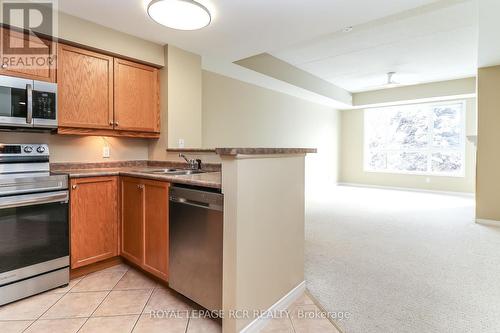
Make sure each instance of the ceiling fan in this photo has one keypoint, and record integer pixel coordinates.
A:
(390, 80)
(389, 83)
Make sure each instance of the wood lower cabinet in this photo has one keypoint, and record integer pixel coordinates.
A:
(85, 89)
(156, 228)
(144, 207)
(132, 208)
(98, 204)
(36, 62)
(94, 220)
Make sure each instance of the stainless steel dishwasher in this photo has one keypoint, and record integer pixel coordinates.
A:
(195, 259)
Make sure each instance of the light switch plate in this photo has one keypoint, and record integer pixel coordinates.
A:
(181, 143)
(105, 152)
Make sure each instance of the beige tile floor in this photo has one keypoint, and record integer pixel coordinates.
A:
(119, 300)
(304, 316)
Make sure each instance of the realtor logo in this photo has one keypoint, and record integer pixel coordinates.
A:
(27, 38)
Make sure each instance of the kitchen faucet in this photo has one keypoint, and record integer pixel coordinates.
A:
(193, 164)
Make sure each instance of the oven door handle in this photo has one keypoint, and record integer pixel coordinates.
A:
(33, 199)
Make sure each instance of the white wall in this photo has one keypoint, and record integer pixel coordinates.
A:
(418, 93)
(488, 141)
(180, 103)
(263, 248)
(77, 30)
(184, 98)
(240, 114)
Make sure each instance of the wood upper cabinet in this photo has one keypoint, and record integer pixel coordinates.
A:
(106, 96)
(39, 63)
(145, 224)
(85, 88)
(137, 105)
(94, 220)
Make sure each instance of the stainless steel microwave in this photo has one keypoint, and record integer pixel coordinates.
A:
(27, 103)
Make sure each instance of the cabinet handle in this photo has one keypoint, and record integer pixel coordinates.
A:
(4, 66)
(140, 187)
(74, 187)
(110, 123)
(116, 124)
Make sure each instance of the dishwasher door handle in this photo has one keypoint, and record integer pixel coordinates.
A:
(199, 204)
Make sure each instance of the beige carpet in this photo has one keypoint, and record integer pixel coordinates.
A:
(403, 262)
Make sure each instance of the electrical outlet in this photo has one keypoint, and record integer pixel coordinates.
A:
(105, 152)
(180, 143)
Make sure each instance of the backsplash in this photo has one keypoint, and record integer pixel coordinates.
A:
(82, 149)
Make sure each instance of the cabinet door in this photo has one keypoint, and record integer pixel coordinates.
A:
(39, 63)
(85, 88)
(132, 244)
(156, 228)
(136, 97)
(94, 220)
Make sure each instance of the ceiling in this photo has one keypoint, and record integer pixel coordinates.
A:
(433, 43)
(240, 28)
(422, 40)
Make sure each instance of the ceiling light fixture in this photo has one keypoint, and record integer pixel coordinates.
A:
(179, 14)
(347, 29)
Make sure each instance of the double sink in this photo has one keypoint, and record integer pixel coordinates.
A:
(171, 171)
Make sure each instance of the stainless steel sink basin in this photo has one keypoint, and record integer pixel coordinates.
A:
(191, 172)
(171, 171)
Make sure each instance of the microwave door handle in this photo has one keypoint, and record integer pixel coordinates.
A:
(29, 103)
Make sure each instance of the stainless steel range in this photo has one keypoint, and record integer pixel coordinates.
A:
(34, 229)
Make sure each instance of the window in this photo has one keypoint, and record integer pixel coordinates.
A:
(425, 139)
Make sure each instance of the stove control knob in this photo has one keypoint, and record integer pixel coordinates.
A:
(28, 149)
(41, 149)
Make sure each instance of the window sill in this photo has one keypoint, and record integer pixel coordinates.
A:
(421, 174)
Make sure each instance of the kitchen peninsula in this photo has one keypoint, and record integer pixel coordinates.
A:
(264, 212)
(263, 221)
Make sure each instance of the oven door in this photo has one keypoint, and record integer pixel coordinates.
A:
(34, 235)
(15, 102)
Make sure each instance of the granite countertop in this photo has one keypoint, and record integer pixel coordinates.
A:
(191, 150)
(212, 179)
(264, 151)
(246, 151)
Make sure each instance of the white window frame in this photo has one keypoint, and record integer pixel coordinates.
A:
(431, 150)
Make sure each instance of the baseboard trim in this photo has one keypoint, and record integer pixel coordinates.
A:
(284, 303)
(409, 189)
(491, 223)
(94, 267)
